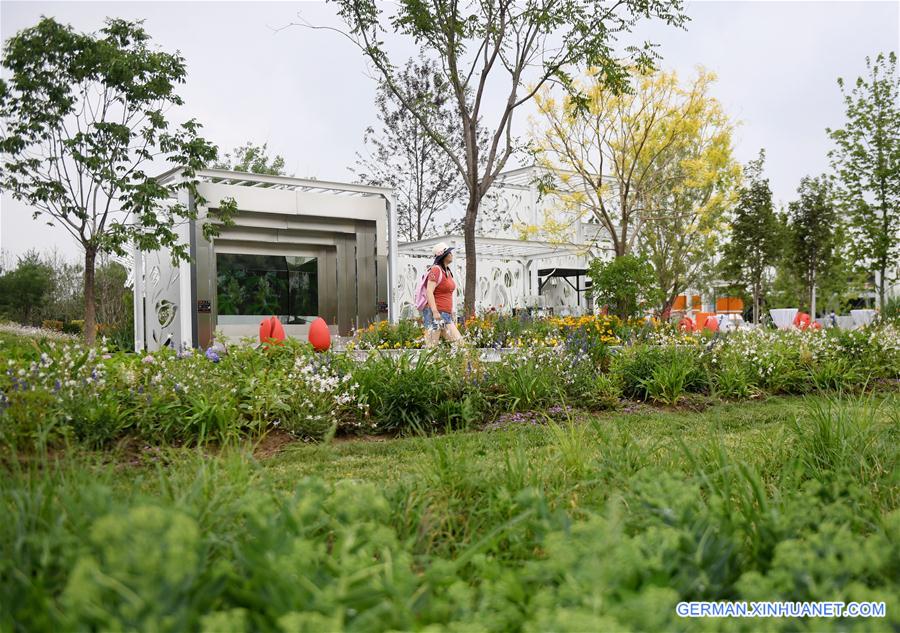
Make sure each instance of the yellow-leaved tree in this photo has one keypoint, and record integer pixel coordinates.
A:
(653, 168)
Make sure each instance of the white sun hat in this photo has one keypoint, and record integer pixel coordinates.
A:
(441, 249)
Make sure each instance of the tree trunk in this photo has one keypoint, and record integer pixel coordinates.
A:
(471, 270)
(90, 310)
(812, 296)
(756, 304)
(881, 284)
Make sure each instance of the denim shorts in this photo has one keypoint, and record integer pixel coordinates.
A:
(428, 318)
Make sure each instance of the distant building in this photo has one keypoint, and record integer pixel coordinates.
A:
(542, 271)
(298, 249)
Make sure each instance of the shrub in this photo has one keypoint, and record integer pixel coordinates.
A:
(668, 381)
(733, 381)
(836, 374)
(624, 284)
(527, 380)
(662, 374)
(74, 327)
(590, 388)
(437, 390)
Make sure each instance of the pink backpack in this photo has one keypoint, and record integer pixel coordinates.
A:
(421, 297)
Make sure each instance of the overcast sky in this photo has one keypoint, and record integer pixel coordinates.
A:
(309, 96)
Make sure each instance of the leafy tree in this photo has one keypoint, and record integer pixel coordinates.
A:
(866, 158)
(508, 48)
(253, 159)
(404, 156)
(65, 301)
(113, 306)
(624, 284)
(756, 236)
(660, 154)
(24, 289)
(814, 228)
(84, 116)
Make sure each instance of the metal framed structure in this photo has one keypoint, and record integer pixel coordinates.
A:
(340, 239)
(508, 272)
(545, 275)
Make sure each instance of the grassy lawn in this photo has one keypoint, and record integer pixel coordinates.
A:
(747, 429)
(586, 522)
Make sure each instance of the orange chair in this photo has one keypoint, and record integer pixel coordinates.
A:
(731, 305)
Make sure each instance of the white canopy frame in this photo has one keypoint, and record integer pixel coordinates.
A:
(525, 252)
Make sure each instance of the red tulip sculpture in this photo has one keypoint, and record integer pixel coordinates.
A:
(686, 325)
(271, 332)
(712, 324)
(801, 320)
(319, 336)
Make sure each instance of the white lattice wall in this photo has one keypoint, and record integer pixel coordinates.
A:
(501, 284)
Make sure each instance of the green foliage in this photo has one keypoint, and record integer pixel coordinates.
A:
(114, 88)
(816, 233)
(402, 155)
(591, 389)
(625, 285)
(734, 381)
(406, 334)
(527, 381)
(600, 526)
(561, 36)
(756, 238)
(24, 289)
(426, 393)
(660, 374)
(671, 378)
(54, 392)
(867, 160)
(253, 159)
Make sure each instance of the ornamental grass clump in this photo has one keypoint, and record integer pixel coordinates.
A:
(661, 374)
(436, 390)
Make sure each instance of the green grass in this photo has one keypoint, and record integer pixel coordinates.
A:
(743, 425)
(598, 522)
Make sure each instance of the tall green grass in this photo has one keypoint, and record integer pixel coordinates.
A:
(577, 525)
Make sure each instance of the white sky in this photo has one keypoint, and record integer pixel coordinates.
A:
(309, 95)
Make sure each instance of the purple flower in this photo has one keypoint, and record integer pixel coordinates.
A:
(211, 355)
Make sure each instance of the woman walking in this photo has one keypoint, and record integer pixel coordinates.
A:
(438, 314)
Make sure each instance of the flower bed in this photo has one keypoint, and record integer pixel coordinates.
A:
(69, 392)
(502, 332)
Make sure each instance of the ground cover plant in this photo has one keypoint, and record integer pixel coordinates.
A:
(504, 331)
(591, 522)
(55, 391)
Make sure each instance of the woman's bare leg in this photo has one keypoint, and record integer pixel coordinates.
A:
(432, 337)
(451, 333)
